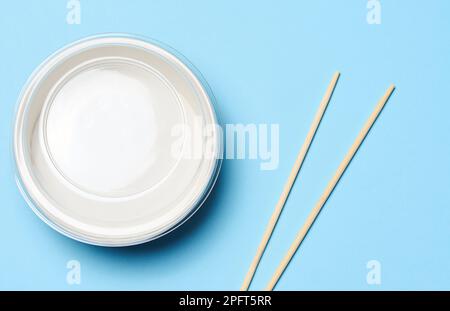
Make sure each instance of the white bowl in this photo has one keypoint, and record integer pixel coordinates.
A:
(115, 141)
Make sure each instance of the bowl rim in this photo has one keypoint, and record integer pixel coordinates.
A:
(24, 182)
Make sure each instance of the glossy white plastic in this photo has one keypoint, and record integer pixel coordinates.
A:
(107, 143)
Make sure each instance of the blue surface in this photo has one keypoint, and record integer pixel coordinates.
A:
(266, 63)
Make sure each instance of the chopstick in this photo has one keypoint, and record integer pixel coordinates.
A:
(329, 189)
(290, 182)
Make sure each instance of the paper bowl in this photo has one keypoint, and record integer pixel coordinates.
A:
(115, 141)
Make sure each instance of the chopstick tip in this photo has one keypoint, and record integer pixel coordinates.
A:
(391, 88)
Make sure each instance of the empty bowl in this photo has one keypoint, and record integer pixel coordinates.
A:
(116, 140)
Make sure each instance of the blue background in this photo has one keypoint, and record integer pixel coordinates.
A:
(266, 62)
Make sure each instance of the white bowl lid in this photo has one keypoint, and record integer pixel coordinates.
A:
(116, 141)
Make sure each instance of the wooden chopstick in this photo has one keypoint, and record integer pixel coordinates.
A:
(329, 189)
(288, 186)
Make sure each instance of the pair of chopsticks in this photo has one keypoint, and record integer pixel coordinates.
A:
(325, 195)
